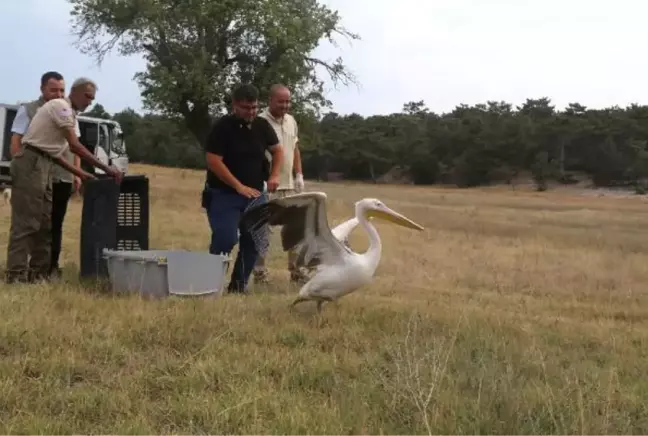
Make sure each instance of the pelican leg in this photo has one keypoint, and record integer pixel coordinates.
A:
(297, 301)
(321, 300)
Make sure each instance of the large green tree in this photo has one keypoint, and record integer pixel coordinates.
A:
(196, 50)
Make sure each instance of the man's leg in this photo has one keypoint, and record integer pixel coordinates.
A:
(223, 212)
(260, 269)
(26, 210)
(61, 192)
(296, 275)
(247, 255)
(41, 253)
(223, 215)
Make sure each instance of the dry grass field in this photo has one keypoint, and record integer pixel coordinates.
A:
(512, 313)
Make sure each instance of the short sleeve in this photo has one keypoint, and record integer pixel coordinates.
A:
(296, 131)
(21, 122)
(217, 138)
(77, 129)
(269, 134)
(61, 113)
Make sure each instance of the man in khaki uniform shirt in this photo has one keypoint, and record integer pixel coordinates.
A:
(285, 126)
(50, 133)
(64, 183)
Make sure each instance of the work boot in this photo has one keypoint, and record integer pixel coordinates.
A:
(236, 288)
(56, 273)
(261, 276)
(39, 275)
(12, 277)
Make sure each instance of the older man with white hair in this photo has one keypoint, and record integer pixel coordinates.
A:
(64, 183)
(51, 132)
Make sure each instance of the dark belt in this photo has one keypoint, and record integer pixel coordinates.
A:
(44, 154)
(38, 151)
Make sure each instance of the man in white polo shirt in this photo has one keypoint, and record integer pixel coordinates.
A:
(285, 126)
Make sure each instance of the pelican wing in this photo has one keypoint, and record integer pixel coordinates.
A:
(304, 225)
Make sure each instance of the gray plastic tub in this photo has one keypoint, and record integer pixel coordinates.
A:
(160, 273)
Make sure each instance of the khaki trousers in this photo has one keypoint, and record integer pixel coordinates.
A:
(30, 238)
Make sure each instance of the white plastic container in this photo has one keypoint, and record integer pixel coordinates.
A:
(160, 273)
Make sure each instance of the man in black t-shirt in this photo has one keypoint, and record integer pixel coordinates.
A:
(236, 171)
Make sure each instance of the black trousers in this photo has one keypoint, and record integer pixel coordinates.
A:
(61, 193)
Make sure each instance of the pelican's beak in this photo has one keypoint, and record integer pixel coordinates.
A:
(394, 217)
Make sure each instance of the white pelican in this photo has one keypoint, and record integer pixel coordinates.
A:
(305, 227)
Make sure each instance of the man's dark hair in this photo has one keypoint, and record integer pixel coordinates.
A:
(50, 75)
(245, 92)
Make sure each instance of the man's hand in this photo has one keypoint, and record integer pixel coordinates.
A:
(77, 171)
(80, 180)
(14, 148)
(273, 183)
(116, 174)
(299, 182)
(248, 192)
(85, 176)
(76, 184)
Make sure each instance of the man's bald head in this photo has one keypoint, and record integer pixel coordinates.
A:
(279, 104)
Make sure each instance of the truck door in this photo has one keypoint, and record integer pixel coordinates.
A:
(89, 139)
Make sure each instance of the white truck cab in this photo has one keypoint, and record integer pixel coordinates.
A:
(104, 138)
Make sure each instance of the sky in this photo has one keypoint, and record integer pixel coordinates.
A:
(445, 52)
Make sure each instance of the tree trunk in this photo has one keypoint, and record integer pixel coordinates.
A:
(199, 122)
(371, 172)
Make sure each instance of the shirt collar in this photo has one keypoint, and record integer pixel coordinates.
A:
(76, 112)
(239, 122)
(276, 120)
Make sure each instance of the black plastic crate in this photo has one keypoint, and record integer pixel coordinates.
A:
(98, 225)
(133, 214)
(114, 217)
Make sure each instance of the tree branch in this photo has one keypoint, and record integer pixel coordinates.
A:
(336, 71)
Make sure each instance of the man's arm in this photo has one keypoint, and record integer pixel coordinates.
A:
(275, 148)
(76, 170)
(78, 149)
(277, 160)
(15, 144)
(77, 132)
(63, 116)
(77, 160)
(217, 166)
(297, 164)
(18, 128)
